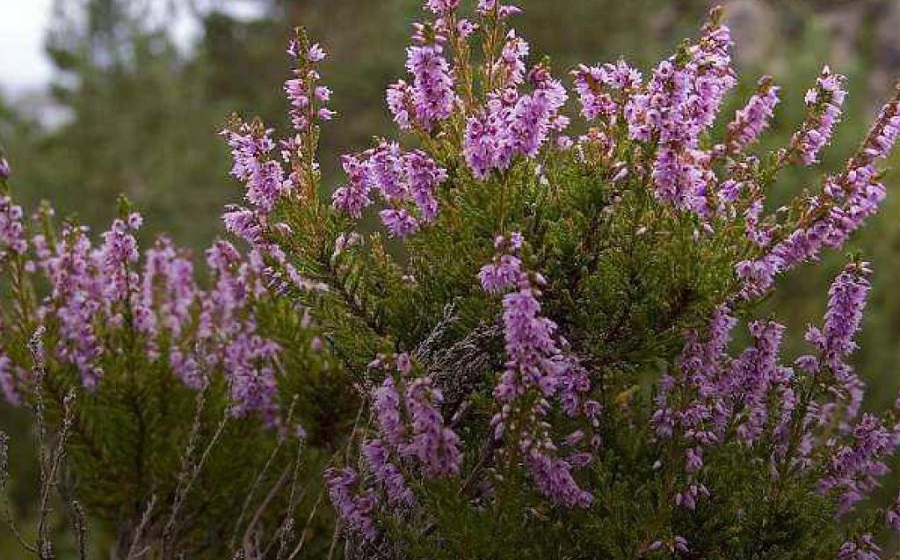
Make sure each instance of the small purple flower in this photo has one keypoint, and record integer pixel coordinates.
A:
(442, 7)
(251, 151)
(12, 229)
(604, 89)
(823, 104)
(8, 381)
(750, 121)
(357, 511)
(399, 222)
(306, 98)
(501, 275)
(433, 96)
(387, 473)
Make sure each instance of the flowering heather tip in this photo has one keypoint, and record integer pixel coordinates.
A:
(537, 365)
(823, 103)
(433, 94)
(436, 446)
(399, 98)
(354, 196)
(846, 303)
(854, 467)
(306, 98)
(682, 178)
(483, 147)
(356, 511)
(243, 223)
(500, 276)
(554, 479)
(489, 8)
(387, 473)
(678, 104)
(511, 63)
(513, 125)
(424, 436)
(265, 179)
(386, 407)
(8, 382)
(750, 121)
(441, 7)
(12, 230)
(597, 84)
(5, 170)
(881, 139)
(532, 117)
(399, 178)
(398, 222)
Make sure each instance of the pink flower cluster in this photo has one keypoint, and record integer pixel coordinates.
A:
(680, 103)
(750, 121)
(357, 511)
(422, 435)
(753, 399)
(603, 90)
(494, 9)
(537, 371)
(273, 170)
(308, 100)
(98, 292)
(823, 103)
(404, 180)
(411, 434)
(828, 220)
(861, 548)
(513, 123)
(431, 98)
(251, 150)
(12, 232)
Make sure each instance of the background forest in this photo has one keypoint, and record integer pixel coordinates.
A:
(135, 112)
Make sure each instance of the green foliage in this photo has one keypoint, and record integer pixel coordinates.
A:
(627, 279)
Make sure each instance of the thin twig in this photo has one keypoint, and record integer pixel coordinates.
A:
(309, 519)
(258, 482)
(133, 551)
(260, 511)
(286, 530)
(79, 527)
(189, 473)
(7, 509)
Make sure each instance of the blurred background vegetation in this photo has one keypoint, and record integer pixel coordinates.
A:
(131, 110)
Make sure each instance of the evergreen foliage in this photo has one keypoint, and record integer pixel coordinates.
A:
(533, 356)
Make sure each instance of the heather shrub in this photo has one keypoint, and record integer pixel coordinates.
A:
(164, 395)
(529, 326)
